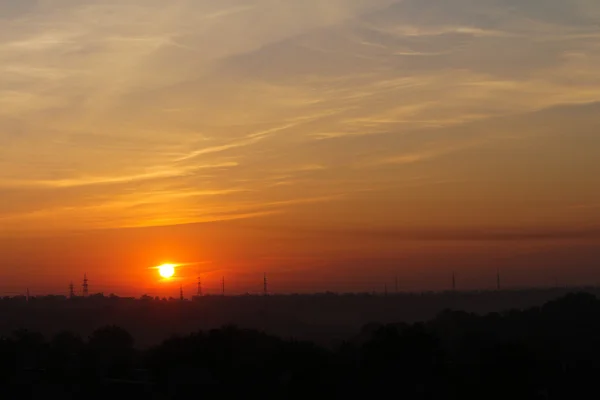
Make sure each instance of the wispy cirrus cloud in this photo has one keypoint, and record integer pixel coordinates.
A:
(107, 180)
(293, 100)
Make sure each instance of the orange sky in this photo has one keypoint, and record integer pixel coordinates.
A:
(332, 144)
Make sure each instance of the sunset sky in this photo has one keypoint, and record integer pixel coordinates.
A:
(332, 144)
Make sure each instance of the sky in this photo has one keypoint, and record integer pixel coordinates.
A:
(333, 144)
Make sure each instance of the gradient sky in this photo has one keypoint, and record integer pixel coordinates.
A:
(334, 144)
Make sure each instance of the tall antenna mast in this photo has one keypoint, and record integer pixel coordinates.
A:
(199, 287)
(265, 286)
(85, 285)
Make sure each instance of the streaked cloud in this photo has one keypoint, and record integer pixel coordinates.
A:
(134, 113)
(107, 180)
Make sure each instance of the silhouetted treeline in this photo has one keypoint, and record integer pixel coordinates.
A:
(326, 319)
(546, 352)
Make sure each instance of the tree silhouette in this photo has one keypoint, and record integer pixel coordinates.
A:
(110, 352)
(548, 352)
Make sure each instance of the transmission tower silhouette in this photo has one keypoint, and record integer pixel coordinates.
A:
(85, 285)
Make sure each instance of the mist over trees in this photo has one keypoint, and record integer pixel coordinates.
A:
(545, 352)
(326, 318)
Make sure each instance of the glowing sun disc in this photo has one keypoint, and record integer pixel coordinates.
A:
(166, 270)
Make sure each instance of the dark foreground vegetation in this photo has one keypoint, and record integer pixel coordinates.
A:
(327, 319)
(547, 352)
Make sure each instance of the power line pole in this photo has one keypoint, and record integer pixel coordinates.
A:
(498, 279)
(85, 285)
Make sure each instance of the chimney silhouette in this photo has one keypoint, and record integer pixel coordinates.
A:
(199, 287)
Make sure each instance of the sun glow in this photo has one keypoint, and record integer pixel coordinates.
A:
(166, 270)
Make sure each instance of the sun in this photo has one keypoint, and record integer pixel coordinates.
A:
(166, 270)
